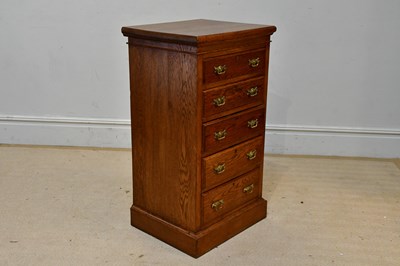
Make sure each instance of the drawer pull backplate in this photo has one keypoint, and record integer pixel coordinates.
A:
(251, 155)
(219, 169)
(217, 205)
(252, 123)
(220, 101)
(220, 135)
(252, 91)
(248, 189)
(254, 62)
(220, 70)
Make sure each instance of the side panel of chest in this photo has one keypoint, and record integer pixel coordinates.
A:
(166, 134)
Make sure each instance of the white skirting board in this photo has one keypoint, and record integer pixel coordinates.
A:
(333, 141)
(63, 131)
(280, 139)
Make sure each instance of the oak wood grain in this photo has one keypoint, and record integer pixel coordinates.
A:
(236, 98)
(236, 65)
(232, 195)
(197, 31)
(165, 135)
(235, 162)
(236, 128)
(196, 244)
(174, 89)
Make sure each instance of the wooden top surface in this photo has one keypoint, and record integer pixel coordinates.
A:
(196, 31)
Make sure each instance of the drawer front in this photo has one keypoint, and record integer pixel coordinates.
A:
(230, 99)
(227, 164)
(234, 129)
(228, 67)
(230, 196)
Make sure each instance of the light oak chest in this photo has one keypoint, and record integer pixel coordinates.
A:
(198, 103)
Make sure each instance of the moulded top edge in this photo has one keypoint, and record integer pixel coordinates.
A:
(196, 31)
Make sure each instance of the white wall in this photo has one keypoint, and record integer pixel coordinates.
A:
(334, 72)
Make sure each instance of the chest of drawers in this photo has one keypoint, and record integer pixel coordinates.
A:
(198, 102)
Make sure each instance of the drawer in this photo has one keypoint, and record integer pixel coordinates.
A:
(229, 67)
(230, 99)
(230, 196)
(227, 164)
(226, 132)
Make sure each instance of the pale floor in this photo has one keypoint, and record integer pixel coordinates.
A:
(67, 206)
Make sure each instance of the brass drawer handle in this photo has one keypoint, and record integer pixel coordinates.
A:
(220, 70)
(252, 123)
(251, 154)
(219, 101)
(252, 91)
(219, 169)
(217, 205)
(220, 135)
(254, 62)
(249, 189)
